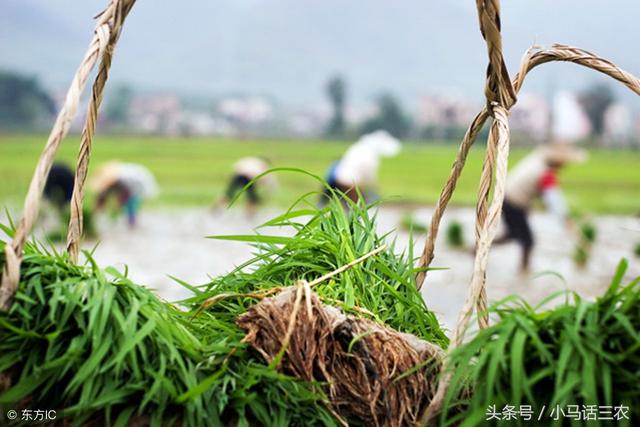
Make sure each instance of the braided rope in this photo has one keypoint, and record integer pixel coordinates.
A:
(446, 193)
(498, 86)
(498, 92)
(13, 251)
(74, 234)
(501, 96)
(499, 133)
(560, 52)
(482, 207)
(533, 58)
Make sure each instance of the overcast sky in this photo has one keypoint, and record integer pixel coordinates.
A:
(288, 48)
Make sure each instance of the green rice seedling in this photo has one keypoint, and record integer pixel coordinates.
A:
(56, 235)
(409, 223)
(581, 255)
(383, 285)
(588, 232)
(93, 345)
(579, 353)
(636, 250)
(587, 238)
(59, 234)
(455, 235)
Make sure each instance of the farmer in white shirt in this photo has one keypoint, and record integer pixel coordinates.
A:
(535, 177)
(246, 170)
(128, 183)
(357, 171)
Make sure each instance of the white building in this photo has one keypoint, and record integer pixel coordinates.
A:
(618, 126)
(531, 115)
(569, 122)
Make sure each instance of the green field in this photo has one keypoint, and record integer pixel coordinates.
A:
(193, 171)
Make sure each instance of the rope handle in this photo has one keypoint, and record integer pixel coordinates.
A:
(74, 234)
(107, 30)
(500, 93)
(533, 57)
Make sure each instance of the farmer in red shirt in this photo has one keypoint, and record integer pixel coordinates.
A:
(535, 177)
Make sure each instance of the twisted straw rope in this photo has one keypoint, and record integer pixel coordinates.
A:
(501, 96)
(13, 251)
(499, 133)
(533, 58)
(498, 86)
(74, 234)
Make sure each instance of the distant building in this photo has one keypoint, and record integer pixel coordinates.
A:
(531, 116)
(250, 110)
(618, 126)
(445, 111)
(358, 113)
(636, 130)
(155, 114)
(202, 123)
(569, 121)
(305, 123)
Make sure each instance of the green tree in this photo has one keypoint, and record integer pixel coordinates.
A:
(336, 92)
(24, 104)
(595, 100)
(390, 117)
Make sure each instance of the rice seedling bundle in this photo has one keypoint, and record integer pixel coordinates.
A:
(59, 233)
(410, 223)
(455, 235)
(372, 373)
(93, 345)
(575, 357)
(586, 239)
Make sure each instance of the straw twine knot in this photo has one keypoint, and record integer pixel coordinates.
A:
(498, 88)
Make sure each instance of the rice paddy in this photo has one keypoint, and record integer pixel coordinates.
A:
(194, 171)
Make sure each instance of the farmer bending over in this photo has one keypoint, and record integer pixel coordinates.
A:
(357, 171)
(59, 186)
(128, 183)
(535, 177)
(246, 170)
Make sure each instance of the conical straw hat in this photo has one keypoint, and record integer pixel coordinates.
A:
(105, 176)
(564, 153)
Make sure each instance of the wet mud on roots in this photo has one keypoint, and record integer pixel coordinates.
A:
(369, 372)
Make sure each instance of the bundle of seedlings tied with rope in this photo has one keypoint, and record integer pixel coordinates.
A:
(361, 333)
(370, 372)
(97, 347)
